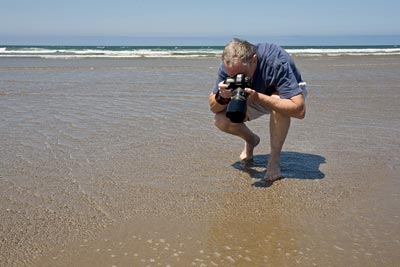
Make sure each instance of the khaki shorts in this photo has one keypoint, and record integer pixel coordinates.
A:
(255, 111)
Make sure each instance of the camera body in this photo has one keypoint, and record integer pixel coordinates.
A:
(237, 107)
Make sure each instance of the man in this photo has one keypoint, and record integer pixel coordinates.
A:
(278, 90)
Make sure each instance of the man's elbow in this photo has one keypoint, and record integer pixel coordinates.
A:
(300, 112)
(213, 109)
(212, 103)
(301, 115)
(299, 108)
(214, 106)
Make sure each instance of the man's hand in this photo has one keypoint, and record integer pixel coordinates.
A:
(252, 97)
(224, 91)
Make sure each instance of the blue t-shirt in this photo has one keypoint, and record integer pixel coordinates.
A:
(275, 72)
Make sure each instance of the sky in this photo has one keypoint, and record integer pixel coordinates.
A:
(119, 21)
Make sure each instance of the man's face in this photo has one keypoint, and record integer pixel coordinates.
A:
(239, 67)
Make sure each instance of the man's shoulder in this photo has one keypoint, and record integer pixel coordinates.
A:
(268, 47)
(269, 52)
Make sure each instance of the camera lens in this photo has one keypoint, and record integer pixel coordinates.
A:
(237, 107)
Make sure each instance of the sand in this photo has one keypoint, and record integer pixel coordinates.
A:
(117, 163)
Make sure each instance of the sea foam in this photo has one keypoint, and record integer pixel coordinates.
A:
(175, 52)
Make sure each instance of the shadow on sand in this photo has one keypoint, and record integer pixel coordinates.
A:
(294, 165)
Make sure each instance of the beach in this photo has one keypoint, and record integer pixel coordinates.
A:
(117, 162)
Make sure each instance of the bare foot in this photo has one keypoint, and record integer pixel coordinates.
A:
(273, 171)
(247, 153)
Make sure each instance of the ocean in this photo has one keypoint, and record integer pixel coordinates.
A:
(69, 52)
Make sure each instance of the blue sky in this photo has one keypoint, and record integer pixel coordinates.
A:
(109, 21)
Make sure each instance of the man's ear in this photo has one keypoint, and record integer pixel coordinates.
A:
(254, 60)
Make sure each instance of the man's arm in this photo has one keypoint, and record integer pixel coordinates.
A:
(292, 107)
(214, 105)
(220, 100)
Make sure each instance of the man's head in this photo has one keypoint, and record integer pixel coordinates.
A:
(239, 56)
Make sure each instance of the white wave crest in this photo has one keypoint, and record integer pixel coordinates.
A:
(344, 51)
(172, 52)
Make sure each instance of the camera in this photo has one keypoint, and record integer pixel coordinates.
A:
(237, 107)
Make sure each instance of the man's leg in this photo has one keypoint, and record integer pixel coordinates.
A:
(278, 127)
(240, 130)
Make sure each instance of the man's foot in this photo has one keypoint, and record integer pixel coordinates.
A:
(273, 174)
(273, 171)
(247, 153)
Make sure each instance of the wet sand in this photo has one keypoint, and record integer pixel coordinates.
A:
(117, 163)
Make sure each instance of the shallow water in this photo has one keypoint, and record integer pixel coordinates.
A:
(116, 162)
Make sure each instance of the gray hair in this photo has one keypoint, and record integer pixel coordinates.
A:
(238, 50)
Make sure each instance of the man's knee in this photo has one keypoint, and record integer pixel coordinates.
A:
(221, 121)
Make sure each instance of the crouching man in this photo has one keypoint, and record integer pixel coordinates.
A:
(277, 89)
